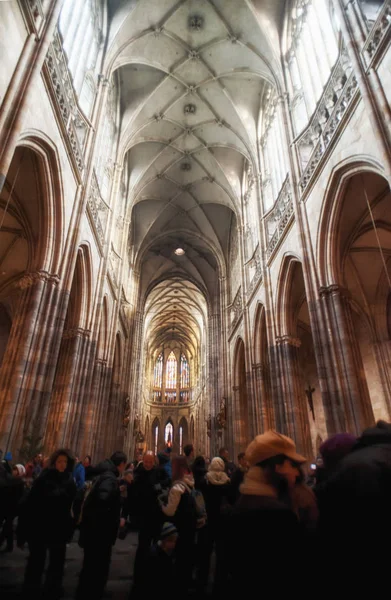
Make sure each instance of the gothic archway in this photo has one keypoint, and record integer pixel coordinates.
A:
(264, 403)
(356, 271)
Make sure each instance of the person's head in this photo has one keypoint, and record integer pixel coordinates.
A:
(87, 461)
(180, 468)
(149, 460)
(8, 456)
(335, 448)
(199, 463)
(61, 460)
(18, 471)
(188, 451)
(224, 454)
(38, 458)
(168, 537)
(242, 462)
(119, 459)
(217, 464)
(128, 476)
(276, 455)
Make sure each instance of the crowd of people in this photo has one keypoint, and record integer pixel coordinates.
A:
(207, 526)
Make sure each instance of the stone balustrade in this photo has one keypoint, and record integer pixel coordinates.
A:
(278, 218)
(71, 117)
(338, 93)
(98, 211)
(379, 32)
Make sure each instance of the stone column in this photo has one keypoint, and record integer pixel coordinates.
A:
(264, 410)
(25, 375)
(26, 75)
(297, 424)
(356, 405)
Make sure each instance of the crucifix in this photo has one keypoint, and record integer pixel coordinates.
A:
(309, 392)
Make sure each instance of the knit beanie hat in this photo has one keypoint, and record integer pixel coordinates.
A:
(21, 470)
(336, 447)
(168, 529)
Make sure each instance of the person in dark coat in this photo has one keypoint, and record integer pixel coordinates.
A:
(216, 494)
(45, 522)
(238, 477)
(181, 508)
(229, 465)
(88, 468)
(149, 483)
(159, 566)
(11, 492)
(265, 536)
(100, 521)
(355, 510)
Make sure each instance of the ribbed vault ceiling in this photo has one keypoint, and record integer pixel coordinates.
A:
(193, 77)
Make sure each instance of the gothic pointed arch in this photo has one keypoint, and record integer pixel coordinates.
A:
(241, 406)
(264, 403)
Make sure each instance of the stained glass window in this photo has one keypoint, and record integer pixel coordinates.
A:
(158, 372)
(168, 434)
(171, 370)
(185, 374)
(180, 439)
(156, 438)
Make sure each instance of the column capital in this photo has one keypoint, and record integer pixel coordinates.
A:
(75, 332)
(28, 279)
(288, 340)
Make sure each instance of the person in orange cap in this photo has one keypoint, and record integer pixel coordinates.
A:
(267, 541)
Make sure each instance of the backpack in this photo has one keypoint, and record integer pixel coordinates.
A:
(199, 503)
(81, 497)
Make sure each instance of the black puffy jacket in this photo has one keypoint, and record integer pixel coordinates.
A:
(101, 510)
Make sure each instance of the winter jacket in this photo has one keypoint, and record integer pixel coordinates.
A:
(11, 492)
(181, 506)
(355, 511)
(264, 539)
(79, 475)
(46, 513)
(216, 493)
(102, 507)
(147, 486)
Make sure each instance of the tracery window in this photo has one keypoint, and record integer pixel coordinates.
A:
(170, 378)
(80, 25)
(311, 54)
(158, 372)
(155, 438)
(185, 374)
(180, 439)
(171, 371)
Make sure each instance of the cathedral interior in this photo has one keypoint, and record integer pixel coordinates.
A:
(195, 222)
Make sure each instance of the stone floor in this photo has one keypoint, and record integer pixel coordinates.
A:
(120, 579)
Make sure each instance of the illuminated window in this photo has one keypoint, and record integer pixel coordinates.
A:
(180, 439)
(156, 438)
(171, 372)
(168, 434)
(158, 372)
(185, 375)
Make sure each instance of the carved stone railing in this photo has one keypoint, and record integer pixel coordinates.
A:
(113, 266)
(278, 218)
(328, 129)
(379, 32)
(72, 118)
(236, 310)
(257, 276)
(34, 13)
(98, 211)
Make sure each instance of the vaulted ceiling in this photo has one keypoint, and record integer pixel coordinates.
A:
(193, 77)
